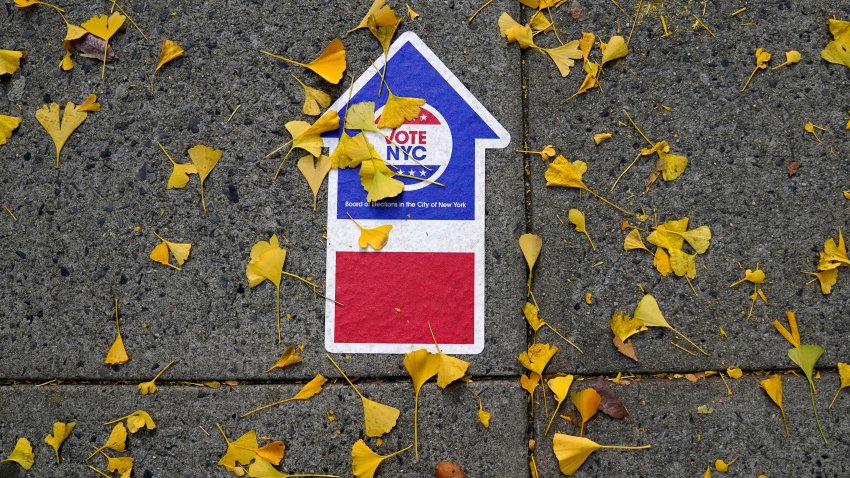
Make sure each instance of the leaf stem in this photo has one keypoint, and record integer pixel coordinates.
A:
(562, 337)
(105, 49)
(166, 153)
(163, 370)
(476, 12)
(625, 171)
(606, 201)
(433, 337)
(554, 414)
(223, 435)
(750, 78)
(278, 149)
(619, 447)
(408, 447)
(416, 424)
(834, 398)
(690, 341)
(345, 376)
(279, 338)
(115, 4)
(815, 408)
(280, 166)
(638, 128)
(279, 402)
(98, 471)
(283, 58)
(634, 22)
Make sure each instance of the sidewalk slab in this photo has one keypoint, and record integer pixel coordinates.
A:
(73, 247)
(448, 424)
(746, 425)
(737, 182)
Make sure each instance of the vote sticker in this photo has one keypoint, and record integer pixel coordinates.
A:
(420, 148)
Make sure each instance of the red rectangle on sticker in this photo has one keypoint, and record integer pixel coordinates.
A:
(390, 297)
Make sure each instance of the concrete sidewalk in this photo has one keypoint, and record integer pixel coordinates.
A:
(73, 246)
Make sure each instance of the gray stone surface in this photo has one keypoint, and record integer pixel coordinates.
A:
(449, 427)
(73, 247)
(738, 144)
(684, 442)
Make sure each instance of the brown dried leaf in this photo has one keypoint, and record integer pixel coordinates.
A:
(627, 348)
(793, 168)
(448, 469)
(611, 404)
(90, 46)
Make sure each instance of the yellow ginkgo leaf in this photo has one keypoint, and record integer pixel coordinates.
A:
(838, 50)
(60, 130)
(844, 379)
(668, 235)
(624, 326)
(10, 61)
(376, 237)
(806, 357)
(180, 173)
(615, 48)
(634, 241)
(122, 465)
(762, 57)
(379, 13)
(826, 278)
(661, 261)
(117, 354)
(314, 100)
(170, 51)
(587, 403)
(22, 454)
(90, 104)
(671, 165)
(529, 382)
(330, 64)
(290, 356)
(399, 109)
(723, 466)
(834, 254)
(683, 264)
(792, 336)
(539, 22)
(600, 137)
(562, 172)
(61, 432)
(648, 312)
(513, 31)
(104, 28)
(204, 158)
(537, 357)
(560, 386)
(755, 276)
(383, 29)
(261, 468)
(266, 263)
(450, 369)
(773, 387)
(577, 219)
(240, 451)
(410, 13)
(149, 388)
(308, 391)
(572, 451)
(791, 57)
(530, 245)
(734, 372)
(421, 365)
(272, 452)
(7, 125)
(364, 461)
(564, 56)
(180, 251)
(138, 420)
(531, 313)
(378, 181)
(307, 136)
(117, 440)
(315, 170)
(483, 415)
(351, 151)
(699, 239)
(361, 116)
(378, 418)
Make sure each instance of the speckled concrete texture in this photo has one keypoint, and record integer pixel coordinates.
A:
(73, 247)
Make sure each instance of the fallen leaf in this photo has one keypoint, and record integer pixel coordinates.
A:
(537, 357)
(529, 382)
(792, 336)
(762, 57)
(560, 386)
(577, 219)
(530, 245)
(610, 403)
(483, 415)
(10, 61)
(261, 468)
(266, 263)
(104, 28)
(240, 451)
(364, 461)
(648, 312)
(377, 417)
(838, 50)
(616, 48)
(421, 365)
(624, 326)
(634, 241)
(351, 151)
(378, 181)
(734, 372)
(376, 237)
(378, 12)
(122, 465)
(204, 158)
(117, 440)
(513, 31)
(399, 109)
(170, 51)
(22, 454)
(531, 313)
(117, 354)
(307, 136)
(138, 420)
(60, 130)
(308, 391)
(587, 403)
(661, 261)
(149, 388)
(572, 451)
(564, 56)
(600, 137)
(806, 357)
(626, 348)
(773, 387)
(756, 277)
(448, 469)
(86, 45)
(410, 13)
(314, 100)
(7, 125)
(290, 356)
(180, 251)
(793, 168)
(61, 432)
(844, 378)
(330, 64)
(314, 170)
(722, 466)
